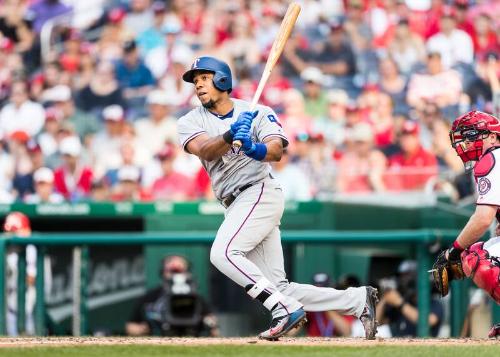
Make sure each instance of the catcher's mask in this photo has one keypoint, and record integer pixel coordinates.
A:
(468, 133)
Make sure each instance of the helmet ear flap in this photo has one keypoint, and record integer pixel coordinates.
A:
(222, 82)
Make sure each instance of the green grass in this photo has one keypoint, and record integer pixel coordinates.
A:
(251, 351)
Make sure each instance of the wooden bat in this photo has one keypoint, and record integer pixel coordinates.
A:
(278, 45)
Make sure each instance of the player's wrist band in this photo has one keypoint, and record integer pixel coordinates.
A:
(228, 137)
(257, 152)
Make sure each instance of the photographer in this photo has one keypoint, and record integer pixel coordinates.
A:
(398, 304)
(175, 308)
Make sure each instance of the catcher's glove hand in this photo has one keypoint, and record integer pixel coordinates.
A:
(445, 270)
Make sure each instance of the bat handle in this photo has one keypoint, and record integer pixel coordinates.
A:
(237, 144)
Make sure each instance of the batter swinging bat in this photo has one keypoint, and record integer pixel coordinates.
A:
(278, 45)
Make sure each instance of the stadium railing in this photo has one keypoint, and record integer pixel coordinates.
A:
(419, 240)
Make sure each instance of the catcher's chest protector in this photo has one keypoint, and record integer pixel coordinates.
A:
(482, 269)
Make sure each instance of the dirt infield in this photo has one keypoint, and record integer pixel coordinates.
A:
(299, 341)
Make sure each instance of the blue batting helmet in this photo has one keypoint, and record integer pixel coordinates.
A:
(222, 73)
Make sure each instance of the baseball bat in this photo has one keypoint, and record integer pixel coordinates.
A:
(278, 45)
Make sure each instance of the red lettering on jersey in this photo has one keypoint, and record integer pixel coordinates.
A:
(484, 165)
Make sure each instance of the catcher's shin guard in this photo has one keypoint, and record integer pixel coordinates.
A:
(482, 269)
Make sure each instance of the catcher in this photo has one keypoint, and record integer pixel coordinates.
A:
(475, 137)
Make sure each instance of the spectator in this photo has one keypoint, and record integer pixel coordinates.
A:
(7, 167)
(452, 44)
(398, 305)
(113, 36)
(85, 124)
(272, 95)
(315, 101)
(160, 126)
(44, 188)
(134, 77)
(129, 155)
(103, 90)
(72, 179)
(105, 147)
(156, 313)
(139, 17)
(241, 48)
(294, 182)
(437, 85)
(48, 138)
(128, 187)
(412, 168)
(294, 119)
(483, 36)
(172, 185)
(394, 84)
(333, 124)
(382, 120)
(407, 49)
(179, 92)
(28, 158)
(21, 114)
(159, 60)
(337, 58)
(361, 167)
(153, 37)
(15, 25)
(315, 159)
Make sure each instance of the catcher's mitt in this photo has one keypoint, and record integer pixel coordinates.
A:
(444, 271)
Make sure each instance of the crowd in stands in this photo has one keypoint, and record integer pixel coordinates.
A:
(366, 91)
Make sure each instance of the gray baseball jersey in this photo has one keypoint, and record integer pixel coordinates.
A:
(232, 170)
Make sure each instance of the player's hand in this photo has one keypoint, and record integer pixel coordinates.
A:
(244, 121)
(245, 137)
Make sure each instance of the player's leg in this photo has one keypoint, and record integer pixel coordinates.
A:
(268, 256)
(248, 220)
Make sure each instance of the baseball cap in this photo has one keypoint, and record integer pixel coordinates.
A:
(116, 15)
(70, 146)
(59, 93)
(129, 173)
(312, 74)
(410, 127)
(43, 174)
(167, 152)
(20, 135)
(113, 112)
(160, 97)
(337, 96)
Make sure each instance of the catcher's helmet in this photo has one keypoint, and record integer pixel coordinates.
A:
(16, 221)
(222, 72)
(468, 132)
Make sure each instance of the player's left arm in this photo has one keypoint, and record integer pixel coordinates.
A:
(274, 146)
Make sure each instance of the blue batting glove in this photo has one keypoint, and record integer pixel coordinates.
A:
(244, 120)
(244, 136)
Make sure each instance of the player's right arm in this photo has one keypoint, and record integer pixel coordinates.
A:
(208, 148)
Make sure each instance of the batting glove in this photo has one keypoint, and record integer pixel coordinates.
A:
(244, 121)
(245, 137)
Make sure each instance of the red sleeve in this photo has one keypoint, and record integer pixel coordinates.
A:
(85, 183)
(59, 184)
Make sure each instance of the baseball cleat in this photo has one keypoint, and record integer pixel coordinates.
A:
(281, 325)
(495, 331)
(368, 318)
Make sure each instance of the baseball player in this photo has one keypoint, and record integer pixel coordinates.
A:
(247, 247)
(475, 137)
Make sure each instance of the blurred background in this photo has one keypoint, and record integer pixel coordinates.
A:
(366, 91)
